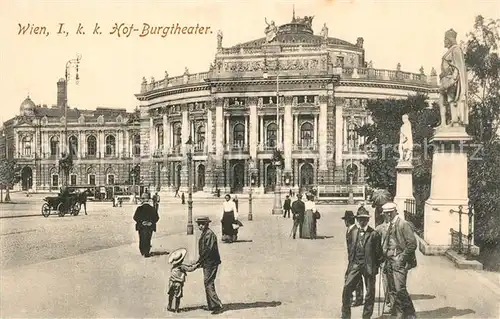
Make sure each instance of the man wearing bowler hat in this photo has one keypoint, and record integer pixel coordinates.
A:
(364, 260)
(399, 245)
(209, 260)
(145, 217)
(350, 223)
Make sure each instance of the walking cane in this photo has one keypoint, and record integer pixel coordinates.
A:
(379, 286)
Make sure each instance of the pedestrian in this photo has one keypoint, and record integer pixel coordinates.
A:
(183, 198)
(389, 298)
(228, 219)
(350, 223)
(399, 247)
(209, 260)
(286, 207)
(177, 191)
(298, 210)
(175, 288)
(156, 201)
(235, 200)
(364, 261)
(310, 217)
(146, 218)
(83, 199)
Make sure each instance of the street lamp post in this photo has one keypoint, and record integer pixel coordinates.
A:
(67, 74)
(277, 209)
(189, 153)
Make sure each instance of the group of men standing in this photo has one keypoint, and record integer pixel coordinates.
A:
(390, 249)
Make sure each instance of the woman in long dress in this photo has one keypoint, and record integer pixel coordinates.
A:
(309, 223)
(228, 218)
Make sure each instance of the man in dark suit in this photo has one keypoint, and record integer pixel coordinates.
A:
(209, 260)
(286, 207)
(145, 218)
(156, 201)
(298, 210)
(399, 247)
(350, 223)
(364, 259)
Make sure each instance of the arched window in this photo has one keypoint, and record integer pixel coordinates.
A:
(136, 144)
(110, 145)
(352, 174)
(239, 135)
(54, 145)
(272, 130)
(200, 136)
(352, 136)
(177, 135)
(306, 135)
(160, 136)
(26, 147)
(91, 145)
(73, 145)
(91, 176)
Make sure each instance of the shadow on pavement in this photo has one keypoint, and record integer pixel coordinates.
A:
(243, 241)
(159, 253)
(444, 312)
(413, 297)
(324, 237)
(239, 306)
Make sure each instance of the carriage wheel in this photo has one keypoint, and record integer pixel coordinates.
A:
(45, 210)
(76, 209)
(60, 210)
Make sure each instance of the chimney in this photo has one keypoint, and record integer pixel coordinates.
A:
(62, 93)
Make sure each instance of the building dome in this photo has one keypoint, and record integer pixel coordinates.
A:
(27, 107)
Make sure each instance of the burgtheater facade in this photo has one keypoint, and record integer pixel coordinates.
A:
(302, 93)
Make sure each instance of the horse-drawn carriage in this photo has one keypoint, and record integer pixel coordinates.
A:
(63, 204)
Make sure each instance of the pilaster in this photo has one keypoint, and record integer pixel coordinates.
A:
(166, 135)
(339, 126)
(185, 128)
(219, 130)
(322, 138)
(208, 130)
(288, 136)
(254, 128)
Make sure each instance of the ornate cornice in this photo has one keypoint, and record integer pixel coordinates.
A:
(418, 88)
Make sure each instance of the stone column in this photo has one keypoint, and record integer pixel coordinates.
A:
(322, 130)
(166, 135)
(261, 126)
(226, 137)
(208, 130)
(295, 129)
(102, 147)
(339, 129)
(254, 129)
(152, 137)
(126, 144)
(219, 131)
(449, 189)
(315, 132)
(246, 132)
(184, 137)
(288, 138)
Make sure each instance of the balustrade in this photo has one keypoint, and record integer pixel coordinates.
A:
(305, 147)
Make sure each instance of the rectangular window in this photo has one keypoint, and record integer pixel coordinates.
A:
(111, 179)
(55, 180)
(73, 179)
(92, 179)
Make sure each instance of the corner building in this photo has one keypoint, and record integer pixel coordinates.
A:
(231, 113)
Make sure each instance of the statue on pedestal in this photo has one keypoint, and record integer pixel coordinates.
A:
(453, 88)
(405, 141)
(271, 31)
(324, 32)
(219, 39)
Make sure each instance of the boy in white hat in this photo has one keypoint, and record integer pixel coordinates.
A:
(177, 278)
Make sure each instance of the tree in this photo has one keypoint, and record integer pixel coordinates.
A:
(10, 174)
(66, 164)
(483, 63)
(382, 140)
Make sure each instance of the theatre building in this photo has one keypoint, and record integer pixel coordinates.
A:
(235, 121)
(300, 92)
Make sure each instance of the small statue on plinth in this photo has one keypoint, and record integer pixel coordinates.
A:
(453, 88)
(271, 31)
(405, 141)
(324, 32)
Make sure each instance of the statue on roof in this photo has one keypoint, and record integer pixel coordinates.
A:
(324, 32)
(308, 20)
(219, 39)
(271, 31)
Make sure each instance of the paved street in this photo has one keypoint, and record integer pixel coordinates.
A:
(90, 266)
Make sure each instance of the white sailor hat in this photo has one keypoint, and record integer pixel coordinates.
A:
(389, 207)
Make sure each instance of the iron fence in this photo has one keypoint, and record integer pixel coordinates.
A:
(460, 242)
(414, 214)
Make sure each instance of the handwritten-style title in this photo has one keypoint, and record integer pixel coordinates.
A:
(120, 30)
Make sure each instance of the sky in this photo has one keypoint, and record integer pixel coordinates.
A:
(409, 32)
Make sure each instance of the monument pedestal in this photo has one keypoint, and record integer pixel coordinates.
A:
(449, 189)
(404, 185)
